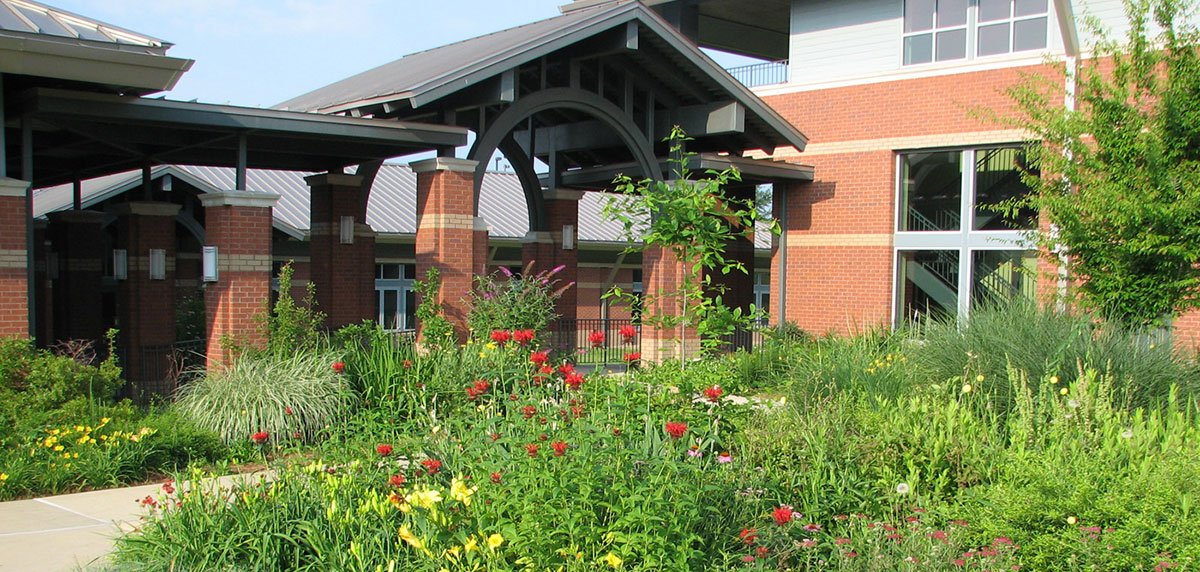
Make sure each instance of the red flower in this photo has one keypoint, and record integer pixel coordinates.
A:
(632, 357)
(566, 368)
(396, 480)
(501, 337)
(628, 332)
(495, 436)
(523, 337)
(407, 363)
(260, 437)
(529, 411)
(287, 410)
(762, 551)
(168, 487)
(432, 466)
(496, 478)
(676, 430)
(338, 366)
(851, 554)
(545, 369)
(532, 448)
(782, 515)
(714, 393)
(539, 358)
(482, 386)
(384, 450)
(574, 381)
(748, 536)
(559, 448)
(597, 339)
(616, 432)
(297, 434)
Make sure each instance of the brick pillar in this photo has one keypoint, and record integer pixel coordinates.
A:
(14, 277)
(146, 306)
(662, 276)
(449, 235)
(238, 223)
(343, 271)
(78, 238)
(545, 248)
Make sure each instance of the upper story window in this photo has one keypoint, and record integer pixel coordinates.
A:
(942, 30)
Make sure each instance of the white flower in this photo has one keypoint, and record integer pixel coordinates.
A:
(1072, 403)
(903, 489)
(1128, 433)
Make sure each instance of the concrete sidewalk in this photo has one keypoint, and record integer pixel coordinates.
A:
(71, 532)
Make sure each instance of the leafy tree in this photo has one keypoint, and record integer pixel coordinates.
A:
(692, 220)
(1120, 173)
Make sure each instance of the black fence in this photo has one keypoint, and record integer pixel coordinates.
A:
(767, 73)
(595, 341)
(161, 368)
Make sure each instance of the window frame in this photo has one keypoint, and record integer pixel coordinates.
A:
(972, 31)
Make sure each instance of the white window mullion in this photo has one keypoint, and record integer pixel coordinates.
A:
(967, 216)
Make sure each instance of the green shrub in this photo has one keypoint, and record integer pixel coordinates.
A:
(1044, 343)
(290, 397)
(517, 302)
(436, 330)
(873, 363)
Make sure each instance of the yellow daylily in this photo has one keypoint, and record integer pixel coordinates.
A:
(613, 560)
(494, 541)
(407, 536)
(454, 551)
(424, 498)
(460, 492)
(471, 545)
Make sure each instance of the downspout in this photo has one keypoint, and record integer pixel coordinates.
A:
(783, 233)
(1070, 38)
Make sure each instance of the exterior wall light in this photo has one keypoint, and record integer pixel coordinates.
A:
(568, 240)
(158, 264)
(347, 229)
(120, 264)
(209, 264)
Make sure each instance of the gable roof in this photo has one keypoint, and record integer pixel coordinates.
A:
(423, 77)
(24, 17)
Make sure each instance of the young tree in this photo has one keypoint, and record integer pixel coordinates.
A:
(693, 220)
(1120, 174)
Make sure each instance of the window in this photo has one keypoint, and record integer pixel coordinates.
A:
(395, 299)
(942, 30)
(954, 246)
(762, 291)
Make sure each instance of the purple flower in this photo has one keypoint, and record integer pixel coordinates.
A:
(506, 271)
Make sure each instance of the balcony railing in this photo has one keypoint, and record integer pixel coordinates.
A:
(766, 73)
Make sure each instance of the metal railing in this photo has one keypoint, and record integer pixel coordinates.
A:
(163, 367)
(767, 73)
(573, 337)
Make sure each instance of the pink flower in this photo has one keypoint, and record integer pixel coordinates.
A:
(724, 457)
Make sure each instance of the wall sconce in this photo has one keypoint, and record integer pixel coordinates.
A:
(347, 230)
(166, 183)
(52, 265)
(208, 258)
(120, 264)
(568, 241)
(158, 264)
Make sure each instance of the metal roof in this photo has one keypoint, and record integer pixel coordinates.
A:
(22, 17)
(391, 210)
(428, 76)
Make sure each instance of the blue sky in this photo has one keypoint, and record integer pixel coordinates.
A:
(262, 52)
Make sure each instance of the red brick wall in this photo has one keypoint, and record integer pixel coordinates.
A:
(14, 293)
(550, 255)
(242, 236)
(344, 274)
(446, 237)
(146, 307)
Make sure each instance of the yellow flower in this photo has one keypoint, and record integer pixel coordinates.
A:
(398, 502)
(482, 354)
(490, 345)
(58, 447)
(104, 420)
(424, 498)
(979, 378)
(1053, 379)
(407, 536)
(79, 427)
(613, 560)
(966, 388)
(471, 545)
(461, 492)
(1071, 520)
(3, 477)
(454, 551)
(1063, 391)
(494, 541)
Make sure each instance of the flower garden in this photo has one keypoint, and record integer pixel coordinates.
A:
(1026, 440)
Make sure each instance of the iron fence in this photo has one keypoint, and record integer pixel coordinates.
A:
(162, 368)
(577, 337)
(767, 73)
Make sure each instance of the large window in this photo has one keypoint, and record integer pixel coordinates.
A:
(942, 30)
(395, 300)
(956, 246)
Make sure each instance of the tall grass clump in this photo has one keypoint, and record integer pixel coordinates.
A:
(873, 363)
(1046, 343)
(290, 397)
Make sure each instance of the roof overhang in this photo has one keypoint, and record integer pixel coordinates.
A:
(85, 135)
(753, 171)
(133, 72)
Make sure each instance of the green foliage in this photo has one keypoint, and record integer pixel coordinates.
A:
(191, 316)
(516, 302)
(693, 221)
(257, 392)
(1043, 343)
(436, 330)
(292, 327)
(1120, 176)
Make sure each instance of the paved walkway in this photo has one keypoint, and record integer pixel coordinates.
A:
(69, 532)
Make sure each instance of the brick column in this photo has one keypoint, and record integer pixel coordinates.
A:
(78, 238)
(238, 223)
(449, 235)
(14, 277)
(662, 276)
(737, 288)
(343, 272)
(146, 307)
(545, 249)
